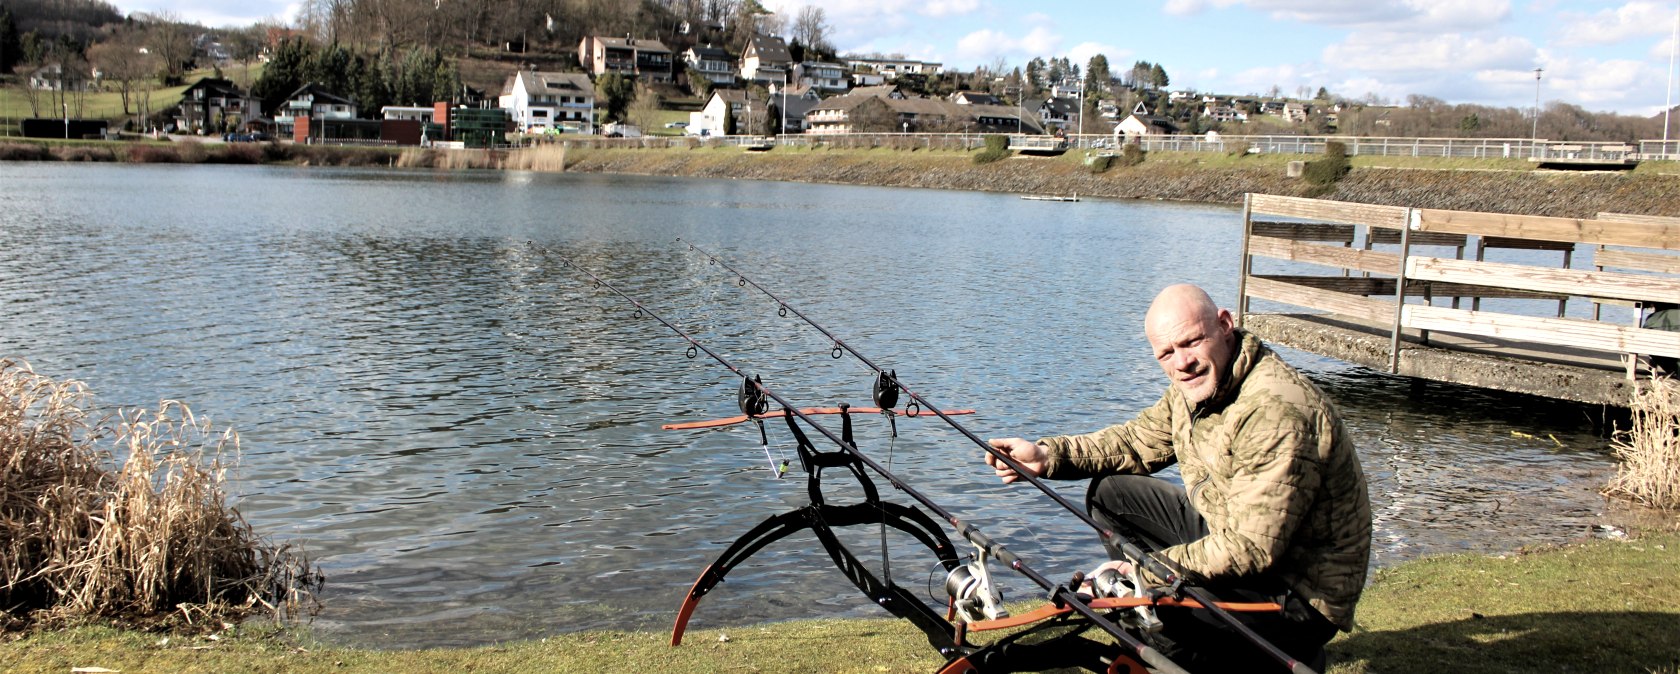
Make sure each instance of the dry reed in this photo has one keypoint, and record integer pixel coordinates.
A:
(547, 157)
(1650, 448)
(124, 517)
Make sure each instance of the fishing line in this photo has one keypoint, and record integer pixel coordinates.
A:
(1061, 594)
(1161, 567)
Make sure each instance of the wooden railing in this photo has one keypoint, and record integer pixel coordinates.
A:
(1634, 264)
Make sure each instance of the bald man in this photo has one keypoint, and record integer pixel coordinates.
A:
(1276, 506)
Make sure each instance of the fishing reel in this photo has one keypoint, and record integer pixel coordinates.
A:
(1112, 583)
(972, 594)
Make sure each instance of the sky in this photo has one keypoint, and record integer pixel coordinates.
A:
(1602, 56)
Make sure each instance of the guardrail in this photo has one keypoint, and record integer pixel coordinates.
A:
(1634, 265)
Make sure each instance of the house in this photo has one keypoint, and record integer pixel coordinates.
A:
(649, 60)
(1146, 125)
(841, 114)
(766, 59)
(1181, 96)
(713, 63)
(549, 102)
(307, 112)
(890, 69)
(1069, 87)
(974, 98)
(213, 104)
(1295, 113)
(865, 78)
(1223, 113)
(1057, 111)
(53, 78)
(709, 120)
(830, 77)
(795, 105)
(1109, 110)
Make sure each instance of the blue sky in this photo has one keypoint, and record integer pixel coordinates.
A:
(1599, 55)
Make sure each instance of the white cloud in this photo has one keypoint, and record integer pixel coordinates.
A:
(1081, 54)
(1410, 15)
(1612, 26)
(982, 46)
(937, 8)
(1396, 52)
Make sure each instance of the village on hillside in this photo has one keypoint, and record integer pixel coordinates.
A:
(705, 78)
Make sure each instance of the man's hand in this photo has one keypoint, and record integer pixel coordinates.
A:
(1025, 452)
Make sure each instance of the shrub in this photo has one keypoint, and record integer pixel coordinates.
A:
(1322, 173)
(238, 153)
(85, 153)
(1132, 155)
(153, 154)
(124, 518)
(1099, 163)
(192, 152)
(997, 147)
(23, 152)
(1241, 149)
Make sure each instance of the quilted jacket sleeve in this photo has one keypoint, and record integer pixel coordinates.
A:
(1142, 445)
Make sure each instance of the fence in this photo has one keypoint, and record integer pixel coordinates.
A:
(1633, 265)
(1463, 148)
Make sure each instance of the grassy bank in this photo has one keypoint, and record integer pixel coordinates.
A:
(1599, 606)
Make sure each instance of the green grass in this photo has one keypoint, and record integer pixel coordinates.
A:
(14, 106)
(1600, 606)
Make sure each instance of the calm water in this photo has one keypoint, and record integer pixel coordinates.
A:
(465, 435)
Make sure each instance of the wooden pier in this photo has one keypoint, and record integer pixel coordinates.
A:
(1390, 288)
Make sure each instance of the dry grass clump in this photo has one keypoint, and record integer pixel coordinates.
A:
(1650, 447)
(85, 153)
(546, 157)
(124, 517)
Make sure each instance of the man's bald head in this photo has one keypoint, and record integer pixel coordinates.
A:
(1192, 339)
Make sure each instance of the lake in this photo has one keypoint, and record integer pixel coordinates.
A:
(464, 434)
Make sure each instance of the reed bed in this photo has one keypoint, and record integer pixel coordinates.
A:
(1650, 448)
(124, 517)
(547, 157)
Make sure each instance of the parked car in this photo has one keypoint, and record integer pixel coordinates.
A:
(676, 125)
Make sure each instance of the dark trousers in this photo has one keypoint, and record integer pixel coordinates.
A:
(1155, 514)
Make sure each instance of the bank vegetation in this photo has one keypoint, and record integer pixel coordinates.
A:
(123, 517)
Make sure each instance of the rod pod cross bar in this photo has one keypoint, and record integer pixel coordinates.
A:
(1162, 568)
(1059, 593)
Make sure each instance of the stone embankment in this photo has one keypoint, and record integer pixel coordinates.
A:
(1561, 194)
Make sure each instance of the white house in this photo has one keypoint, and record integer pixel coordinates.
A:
(545, 102)
(766, 59)
(1146, 125)
(709, 120)
(890, 68)
(821, 75)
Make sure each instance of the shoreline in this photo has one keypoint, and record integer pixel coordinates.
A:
(1496, 186)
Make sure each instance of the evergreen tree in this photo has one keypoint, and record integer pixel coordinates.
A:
(285, 73)
(11, 45)
(1158, 76)
(1096, 76)
(615, 92)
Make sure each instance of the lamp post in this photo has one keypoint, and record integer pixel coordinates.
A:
(1668, 99)
(1534, 138)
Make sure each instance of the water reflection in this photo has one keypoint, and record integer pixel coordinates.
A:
(464, 433)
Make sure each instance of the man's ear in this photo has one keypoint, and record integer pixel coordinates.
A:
(1226, 323)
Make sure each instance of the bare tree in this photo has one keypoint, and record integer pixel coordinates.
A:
(168, 39)
(810, 26)
(124, 63)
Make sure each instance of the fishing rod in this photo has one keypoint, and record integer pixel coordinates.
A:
(1161, 568)
(1060, 594)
